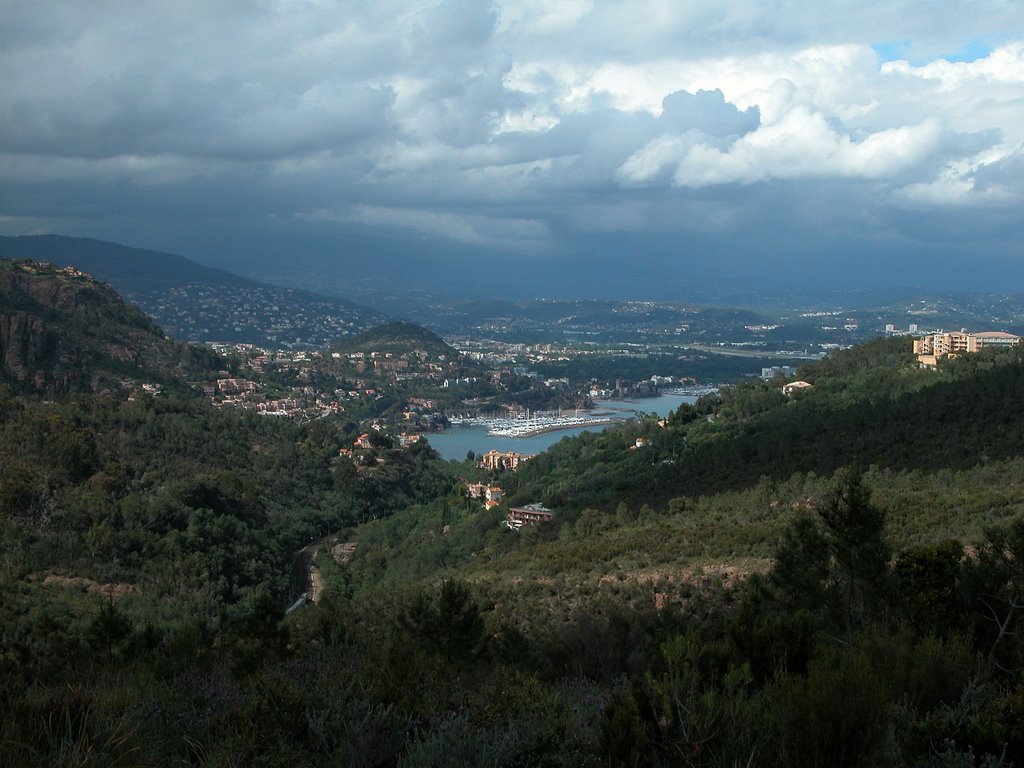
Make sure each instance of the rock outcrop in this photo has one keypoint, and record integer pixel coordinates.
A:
(25, 345)
(62, 331)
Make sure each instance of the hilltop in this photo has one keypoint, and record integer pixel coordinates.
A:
(397, 337)
(192, 302)
(63, 331)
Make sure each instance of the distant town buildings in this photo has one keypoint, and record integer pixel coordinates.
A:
(395, 364)
(235, 386)
(771, 372)
(937, 345)
(911, 330)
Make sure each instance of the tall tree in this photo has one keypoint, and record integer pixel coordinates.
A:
(855, 534)
(837, 558)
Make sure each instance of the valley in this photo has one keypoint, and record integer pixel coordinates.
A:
(719, 580)
(512, 384)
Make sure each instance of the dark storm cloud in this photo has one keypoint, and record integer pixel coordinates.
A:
(518, 125)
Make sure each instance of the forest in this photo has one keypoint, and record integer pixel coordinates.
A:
(829, 579)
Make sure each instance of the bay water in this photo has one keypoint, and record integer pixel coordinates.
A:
(456, 442)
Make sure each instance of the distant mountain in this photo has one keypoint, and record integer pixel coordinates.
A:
(126, 268)
(63, 331)
(398, 337)
(196, 303)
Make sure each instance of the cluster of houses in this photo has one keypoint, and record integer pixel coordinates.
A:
(364, 443)
(404, 366)
(517, 517)
(491, 494)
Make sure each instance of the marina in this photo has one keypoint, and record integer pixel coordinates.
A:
(608, 412)
(529, 436)
(533, 424)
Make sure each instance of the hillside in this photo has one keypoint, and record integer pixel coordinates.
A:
(192, 302)
(870, 405)
(737, 591)
(701, 486)
(800, 617)
(62, 331)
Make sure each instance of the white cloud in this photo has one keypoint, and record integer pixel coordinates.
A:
(1004, 65)
(802, 144)
(658, 158)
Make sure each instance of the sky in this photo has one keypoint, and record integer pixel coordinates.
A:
(575, 146)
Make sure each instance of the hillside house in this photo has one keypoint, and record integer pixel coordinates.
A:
(476, 490)
(796, 386)
(531, 514)
(235, 386)
(503, 460)
(491, 494)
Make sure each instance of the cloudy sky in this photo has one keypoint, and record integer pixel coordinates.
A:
(869, 143)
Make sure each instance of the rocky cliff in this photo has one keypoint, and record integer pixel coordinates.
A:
(24, 346)
(62, 331)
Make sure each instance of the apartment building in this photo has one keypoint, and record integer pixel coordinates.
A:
(935, 345)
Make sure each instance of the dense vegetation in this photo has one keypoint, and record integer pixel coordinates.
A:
(846, 651)
(702, 367)
(190, 517)
(733, 589)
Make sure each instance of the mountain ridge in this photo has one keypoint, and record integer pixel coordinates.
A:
(193, 302)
